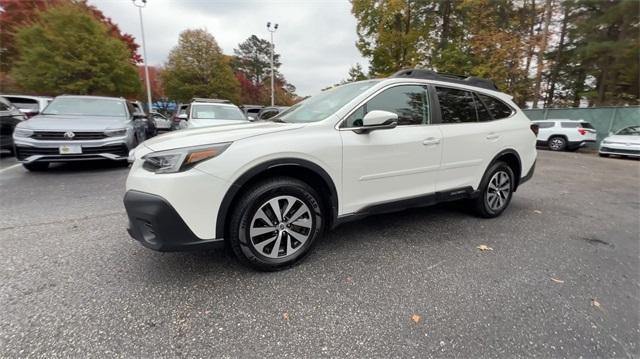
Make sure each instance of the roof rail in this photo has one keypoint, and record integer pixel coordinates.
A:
(439, 76)
(212, 100)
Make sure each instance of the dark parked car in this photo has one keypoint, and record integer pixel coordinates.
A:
(150, 125)
(29, 105)
(251, 111)
(10, 116)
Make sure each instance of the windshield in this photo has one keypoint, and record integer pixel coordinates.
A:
(630, 131)
(86, 106)
(322, 105)
(216, 112)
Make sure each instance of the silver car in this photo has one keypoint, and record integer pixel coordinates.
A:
(78, 128)
(625, 142)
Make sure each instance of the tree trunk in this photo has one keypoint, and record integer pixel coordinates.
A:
(548, 9)
(445, 13)
(558, 59)
(532, 26)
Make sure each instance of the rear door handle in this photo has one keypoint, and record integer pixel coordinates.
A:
(493, 136)
(431, 141)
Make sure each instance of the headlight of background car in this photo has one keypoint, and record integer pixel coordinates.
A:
(181, 159)
(22, 132)
(116, 133)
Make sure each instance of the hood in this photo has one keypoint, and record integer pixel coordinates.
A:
(73, 123)
(624, 139)
(216, 134)
(194, 123)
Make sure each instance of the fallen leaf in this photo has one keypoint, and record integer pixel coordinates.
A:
(416, 318)
(285, 316)
(484, 247)
(537, 211)
(595, 303)
(557, 280)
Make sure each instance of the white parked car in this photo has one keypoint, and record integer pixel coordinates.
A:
(210, 112)
(270, 189)
(29, 105)
(625, 142)
(561, 135)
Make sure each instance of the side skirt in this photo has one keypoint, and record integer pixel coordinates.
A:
(406, 203)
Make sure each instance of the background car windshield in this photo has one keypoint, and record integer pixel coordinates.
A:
(86, 106)
(216, 112)
(325, 103)
(630, 131)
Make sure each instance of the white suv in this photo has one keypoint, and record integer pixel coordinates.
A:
(270, 188)
(561, 135)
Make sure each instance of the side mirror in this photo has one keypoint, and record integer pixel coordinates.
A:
(183, 116)
(378, 120)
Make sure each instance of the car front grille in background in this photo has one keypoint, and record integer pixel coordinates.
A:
(24, 152)
(617, 150)
(59, 135)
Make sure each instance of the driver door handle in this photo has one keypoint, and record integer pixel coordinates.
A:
(493, 136)
(431, 141)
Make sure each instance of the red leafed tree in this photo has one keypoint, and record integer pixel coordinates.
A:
(157, 91)
(250, 93)
(16, 13)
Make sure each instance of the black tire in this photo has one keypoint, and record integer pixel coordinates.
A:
(557, 143)
(603, 154)
(36, 166)
(482, 205)
(254, 200)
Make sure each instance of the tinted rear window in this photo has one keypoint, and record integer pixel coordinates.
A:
(586, 125)
(498, 109)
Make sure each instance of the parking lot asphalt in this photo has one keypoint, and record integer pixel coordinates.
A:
(562, 278)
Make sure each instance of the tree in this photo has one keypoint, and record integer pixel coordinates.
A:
(196, 67)
(17, 13)
(66, 50)
(253, 58)
(356, 73)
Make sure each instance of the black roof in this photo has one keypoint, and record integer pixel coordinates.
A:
(444, 77)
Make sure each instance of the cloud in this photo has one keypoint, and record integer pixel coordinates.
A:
(316, 39)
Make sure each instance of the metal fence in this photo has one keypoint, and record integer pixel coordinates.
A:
(603, 119)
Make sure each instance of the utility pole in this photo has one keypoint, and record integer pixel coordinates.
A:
(272, 30)
(140, 4)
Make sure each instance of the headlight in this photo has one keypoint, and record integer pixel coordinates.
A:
(22, 132)
(116, 133)
(181, 159)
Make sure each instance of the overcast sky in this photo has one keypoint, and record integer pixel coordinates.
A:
(316, 39)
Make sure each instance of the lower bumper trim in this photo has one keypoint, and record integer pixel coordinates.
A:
(155, 224)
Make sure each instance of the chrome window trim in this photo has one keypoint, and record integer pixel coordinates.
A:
(365, 100)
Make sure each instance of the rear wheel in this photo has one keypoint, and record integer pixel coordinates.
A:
(496, 191)
(557, 143)
(275, 224)
(36, 166)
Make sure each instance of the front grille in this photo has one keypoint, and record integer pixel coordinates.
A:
(617, 150)
(59, 135)
(24, 152)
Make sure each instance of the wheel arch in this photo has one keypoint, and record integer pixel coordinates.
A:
(512, 158)
(298, 168)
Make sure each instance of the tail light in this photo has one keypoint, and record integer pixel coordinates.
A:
(535, 128)
(582, 131)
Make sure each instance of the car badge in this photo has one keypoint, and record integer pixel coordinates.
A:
(69, 135)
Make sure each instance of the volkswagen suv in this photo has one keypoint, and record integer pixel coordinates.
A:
(270, 189)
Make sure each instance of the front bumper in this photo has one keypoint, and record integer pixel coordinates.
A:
(29, 150)
(620, 149)
(156, 225)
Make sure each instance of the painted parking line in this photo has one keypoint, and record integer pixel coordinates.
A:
(10, 167)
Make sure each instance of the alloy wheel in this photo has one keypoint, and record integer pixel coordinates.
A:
(498, 190)
(280, 226)
(556, 143)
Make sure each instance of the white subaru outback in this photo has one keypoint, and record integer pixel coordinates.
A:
(270, 189)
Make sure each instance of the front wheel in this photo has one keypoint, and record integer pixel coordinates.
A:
(496, 191)
(557, 143)
(276, 223)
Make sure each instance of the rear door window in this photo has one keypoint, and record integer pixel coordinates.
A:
(544, 124)
(456, 106)
(483, 113)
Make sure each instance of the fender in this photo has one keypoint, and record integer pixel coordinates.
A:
(234, 189)
(500, 154)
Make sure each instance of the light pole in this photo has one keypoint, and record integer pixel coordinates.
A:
(140, 4)
(272, 30)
